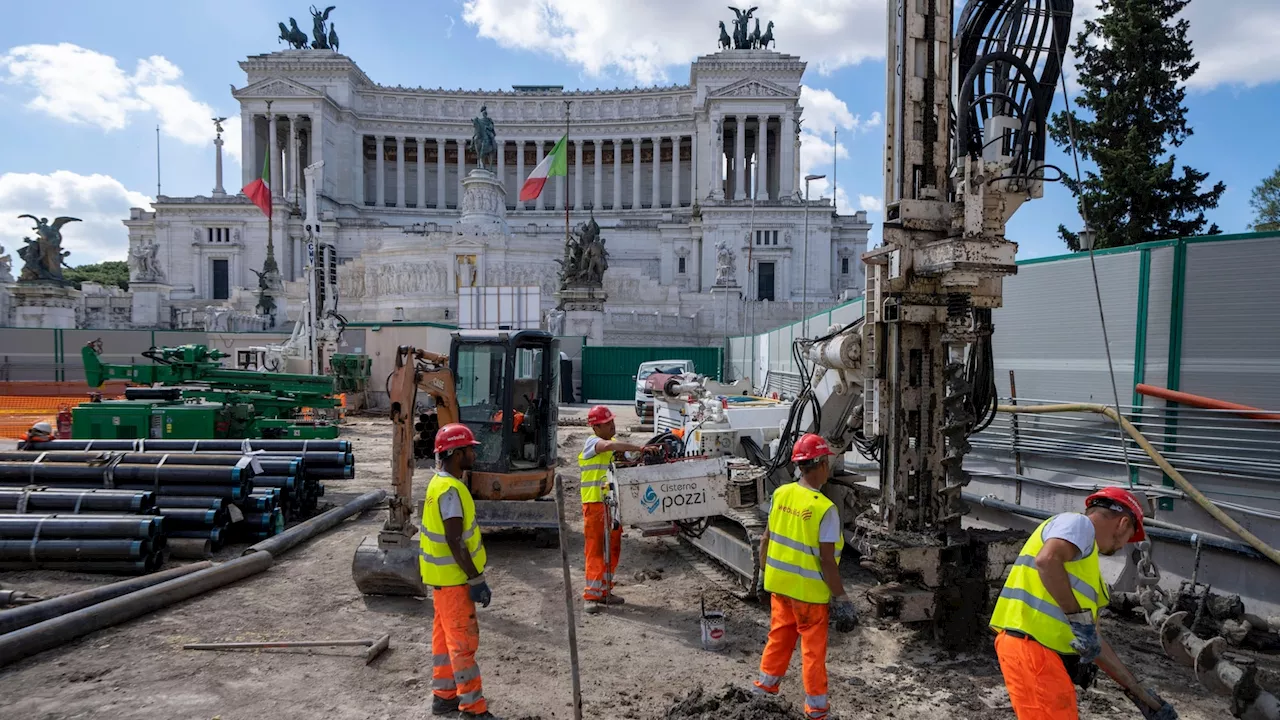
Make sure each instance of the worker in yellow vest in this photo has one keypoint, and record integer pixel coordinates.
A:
(452, 561)
(593, 462)
(801, 554)
(1046, 618)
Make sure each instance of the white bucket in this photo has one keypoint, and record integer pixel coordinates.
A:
(713, 632)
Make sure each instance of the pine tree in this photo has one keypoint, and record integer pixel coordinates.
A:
(1266, 203)
(1134, 62)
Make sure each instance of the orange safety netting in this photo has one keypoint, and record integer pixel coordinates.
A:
(18, 412)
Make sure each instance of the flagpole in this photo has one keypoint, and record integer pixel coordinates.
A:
(567, 103)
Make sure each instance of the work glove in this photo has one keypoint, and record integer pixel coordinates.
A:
(845, 615)
(479, 590)
(1165, 712)
(1085, 630)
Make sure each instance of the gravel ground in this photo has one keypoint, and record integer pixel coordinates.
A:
(642, 660)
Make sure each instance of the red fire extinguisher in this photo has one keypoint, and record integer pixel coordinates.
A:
(64, 423)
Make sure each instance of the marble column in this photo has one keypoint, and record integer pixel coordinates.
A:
(317, 143)
(462, 169)
(635, 173)
(716, 187)
(542, 152)
(421, 199)
(562, 183)
(786, 180)
(400, 171)
(273, 143)
(597, 200)
(577, 175)
(617, 174)
(250, 154)
(381, 170)
(441, 202)
(502, 165)
(739, 157)
(295, 192)
(656, 190)
(519, 174)
(359, 163)
(762, 159)
(675, 171)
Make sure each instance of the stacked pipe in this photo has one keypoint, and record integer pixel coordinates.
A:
(120, 544)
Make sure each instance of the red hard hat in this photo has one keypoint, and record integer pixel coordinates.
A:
(599, 415)
(810, 447)
(1117, 498)
(454, 436)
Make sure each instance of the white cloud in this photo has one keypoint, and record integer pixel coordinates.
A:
(82, 86)
(1236, 43)
(644, 40)
(870, 203)
(100, 201)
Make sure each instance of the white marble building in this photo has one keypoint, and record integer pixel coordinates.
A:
(668, 172)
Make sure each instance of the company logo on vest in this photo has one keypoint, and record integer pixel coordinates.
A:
(802, 514)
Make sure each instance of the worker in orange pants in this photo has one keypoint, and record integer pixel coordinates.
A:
(451, 560)
(594, 462)
(801, 554)
(1046, 618)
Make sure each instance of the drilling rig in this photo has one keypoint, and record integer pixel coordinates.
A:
(911, 380)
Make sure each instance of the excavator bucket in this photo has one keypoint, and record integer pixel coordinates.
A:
(391, 570)
(537, 515)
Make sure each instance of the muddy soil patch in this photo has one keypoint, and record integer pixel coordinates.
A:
(730, 703)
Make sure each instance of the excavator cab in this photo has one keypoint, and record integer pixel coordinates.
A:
(506, 387)
(500, 385)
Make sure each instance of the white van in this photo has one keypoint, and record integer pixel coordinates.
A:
(644, 400)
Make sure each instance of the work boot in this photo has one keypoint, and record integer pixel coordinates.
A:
(442, 706)
(593, 607)
(614, 600)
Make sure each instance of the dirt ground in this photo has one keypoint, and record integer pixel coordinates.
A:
(639, 661)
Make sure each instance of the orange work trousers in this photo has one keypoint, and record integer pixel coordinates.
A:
(807, 622)
(595, 517)
(1038, 684)
(455, 637)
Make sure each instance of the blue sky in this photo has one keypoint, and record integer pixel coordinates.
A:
(84, 85)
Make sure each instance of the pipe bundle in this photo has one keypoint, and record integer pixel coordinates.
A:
(120, 544)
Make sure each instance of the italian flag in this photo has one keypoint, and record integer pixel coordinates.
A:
(554, 165)
(259, 191)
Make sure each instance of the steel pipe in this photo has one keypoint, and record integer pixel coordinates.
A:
(190, 548)
(37, 552)
(21, 617)
(72, 500)
(56, 631)
(182, 501)
(25, 527)
(149, 564)
(53, 473)
(190, 446)
(306, 530)
(193, 518)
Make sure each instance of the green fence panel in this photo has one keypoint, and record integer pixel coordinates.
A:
(608, 373)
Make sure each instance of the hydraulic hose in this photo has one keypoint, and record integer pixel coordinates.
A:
(1183, 484)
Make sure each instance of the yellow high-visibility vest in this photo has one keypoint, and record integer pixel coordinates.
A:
(794, 565)
(594, 484)
(1025, 605)
(435, 561)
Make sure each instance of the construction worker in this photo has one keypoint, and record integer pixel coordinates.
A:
(41, 432)
(452, 562)
(1046, 617)
(594, 461)
(801, 551)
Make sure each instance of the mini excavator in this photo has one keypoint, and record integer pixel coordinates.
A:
(502, 386)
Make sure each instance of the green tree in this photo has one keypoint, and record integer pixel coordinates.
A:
(1266, 203)
(1134, 62)
(111, 272)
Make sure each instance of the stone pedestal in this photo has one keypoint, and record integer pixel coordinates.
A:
(583, 312)
(37, 305)
(728, 308)
(484, 203)
(150, 304)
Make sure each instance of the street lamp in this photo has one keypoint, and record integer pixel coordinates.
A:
(805, 285)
